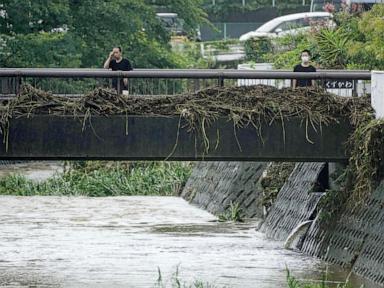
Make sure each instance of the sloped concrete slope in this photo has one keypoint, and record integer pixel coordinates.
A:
(296, 201)
(356, 239)
(214, 185)
(370, 262)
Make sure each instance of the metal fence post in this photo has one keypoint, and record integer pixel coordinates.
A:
(354, 90)
(118, 85)
(17, 84)
(220, 81)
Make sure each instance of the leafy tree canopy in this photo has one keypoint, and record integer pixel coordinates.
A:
(74, 33)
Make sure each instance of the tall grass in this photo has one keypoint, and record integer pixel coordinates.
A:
(292, 282)
(99, 179)
(176, 282)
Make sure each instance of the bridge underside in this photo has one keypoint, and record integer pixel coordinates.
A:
(47, 137)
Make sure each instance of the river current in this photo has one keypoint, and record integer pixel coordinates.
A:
(126, 241)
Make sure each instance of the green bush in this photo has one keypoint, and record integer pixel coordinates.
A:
(258, 49)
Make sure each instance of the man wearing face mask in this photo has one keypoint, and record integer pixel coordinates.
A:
(304, 66)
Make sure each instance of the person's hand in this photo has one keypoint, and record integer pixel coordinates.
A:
(111, 55)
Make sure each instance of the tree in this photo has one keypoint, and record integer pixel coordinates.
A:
(23, 16)
(74, 33)
(366, 51)
(190, 11)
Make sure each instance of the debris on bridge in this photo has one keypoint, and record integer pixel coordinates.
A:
(244, 104)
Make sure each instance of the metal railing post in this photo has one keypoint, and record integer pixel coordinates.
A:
(118, 85)
(17, 84)
(220, 81)
(354, 90)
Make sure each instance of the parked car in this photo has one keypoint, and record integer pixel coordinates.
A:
(289, 24)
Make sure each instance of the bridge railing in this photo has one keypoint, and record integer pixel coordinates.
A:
(75, 82)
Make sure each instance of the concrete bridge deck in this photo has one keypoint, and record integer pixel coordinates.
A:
(44, 137)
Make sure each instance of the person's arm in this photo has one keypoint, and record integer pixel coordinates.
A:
(108, 61)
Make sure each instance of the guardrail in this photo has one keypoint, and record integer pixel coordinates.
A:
(72, 82)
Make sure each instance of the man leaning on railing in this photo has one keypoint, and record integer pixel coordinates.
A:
(116, 62)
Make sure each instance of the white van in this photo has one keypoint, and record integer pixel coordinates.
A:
(289, 24)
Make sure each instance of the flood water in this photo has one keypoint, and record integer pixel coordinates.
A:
(123, 241)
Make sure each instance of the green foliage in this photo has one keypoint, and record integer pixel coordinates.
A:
(276, 175)
(332, 47)
(257, 49)
(363, 174)
(366, 162)
(26, 16)
(189, 56)
(41, 49)
(190, 11)
(177, 282)
(356, 43)
(292, 282)
(99, 179)
(288, 49)
(366, 51)
(233, 213)
(88, 30)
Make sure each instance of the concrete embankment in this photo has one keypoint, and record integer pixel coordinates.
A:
(213, 186)
(355, 240)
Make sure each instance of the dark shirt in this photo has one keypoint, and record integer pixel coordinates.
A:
(303, 82)
(123, 65)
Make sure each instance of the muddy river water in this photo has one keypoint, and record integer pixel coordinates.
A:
(125, 241)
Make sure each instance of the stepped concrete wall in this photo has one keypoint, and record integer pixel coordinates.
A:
(214, 185)
(296, 201)
(355, 240)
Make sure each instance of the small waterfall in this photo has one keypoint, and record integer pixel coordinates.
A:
(297, 235)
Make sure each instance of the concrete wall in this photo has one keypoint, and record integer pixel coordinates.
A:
(355, 240)
(214, 185)
(296, 201)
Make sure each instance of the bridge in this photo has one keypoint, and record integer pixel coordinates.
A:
(130, 137)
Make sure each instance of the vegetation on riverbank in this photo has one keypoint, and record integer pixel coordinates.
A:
(363, 173)
(176, 282)
(292, 282)
(233, 213)
(273, 180)
(100, 179)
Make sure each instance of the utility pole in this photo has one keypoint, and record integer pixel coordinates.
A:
(273, 3)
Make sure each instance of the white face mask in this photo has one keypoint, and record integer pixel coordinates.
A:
(305, 59)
